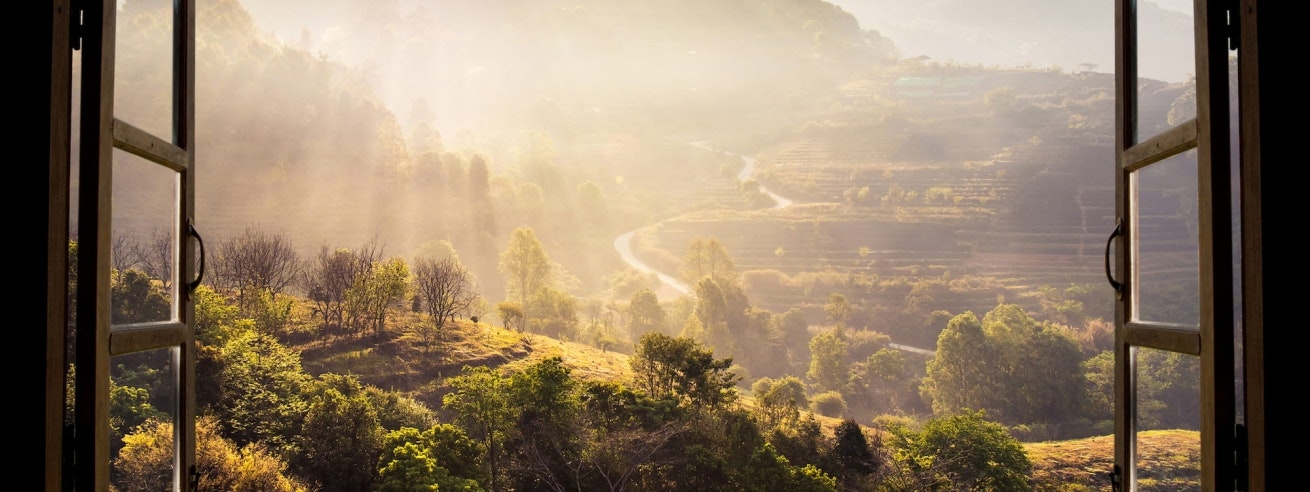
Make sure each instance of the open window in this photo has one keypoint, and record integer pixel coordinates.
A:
(135, 178)
(1179, 271)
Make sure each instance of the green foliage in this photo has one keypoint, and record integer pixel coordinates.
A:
(259, 391)
(681, 368)
(779, 401)
(146, 461)
(1010, 365)
(129, 407)
(340, 442)
(852, 457)
(137, 298)
(828, 367)
(645, 314)
(959, 452)
(525, 266)
(439, 458)
(829, 404)
(480, 403)
(555, 313)
(396, 410)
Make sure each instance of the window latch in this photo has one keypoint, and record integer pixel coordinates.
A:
(1117, 285)
(1116, 479)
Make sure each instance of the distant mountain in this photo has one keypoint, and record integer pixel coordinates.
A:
(1040, 33)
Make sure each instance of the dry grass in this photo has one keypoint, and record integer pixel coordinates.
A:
(1168, 460)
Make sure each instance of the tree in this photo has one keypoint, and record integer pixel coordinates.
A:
(480, 403)
(340, 441)
(644, 313)
(681, 368)
(511, 314)
(445, 289)
(838, 310)
(1017, 369)
(526, 267)
(256, 260)
(330, 277)
(959, 452)
(374, 292)
(779, 401)
(259, 394)
(851, 454)
(146, 461)
(828, 371)
(706, 257)
(442, 456)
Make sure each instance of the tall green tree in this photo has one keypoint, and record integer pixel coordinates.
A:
(340, 442)
(480, 401)
(1018, 369)
(526, 268)
(828, 370)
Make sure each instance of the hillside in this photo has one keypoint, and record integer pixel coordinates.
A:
(399, 362)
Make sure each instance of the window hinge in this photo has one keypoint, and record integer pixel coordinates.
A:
(1117, 479)
(75, 28)
(1240, 458)
(1234, 27)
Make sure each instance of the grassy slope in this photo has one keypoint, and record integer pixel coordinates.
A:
(1168, 460)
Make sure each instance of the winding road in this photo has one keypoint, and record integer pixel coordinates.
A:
(671, 286)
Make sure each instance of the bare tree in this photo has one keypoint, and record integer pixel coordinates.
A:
(124, 252)
(335, 281)
(258, 260)
(157, 256)
(445, 288)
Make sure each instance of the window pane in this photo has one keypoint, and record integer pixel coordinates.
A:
(143, 66)
(142, 410)
(1166, 61)
(1168, 398)
(144, 241)
(1165, 244)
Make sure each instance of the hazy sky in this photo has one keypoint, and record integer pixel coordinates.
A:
(1043, 33)
(1040, 33)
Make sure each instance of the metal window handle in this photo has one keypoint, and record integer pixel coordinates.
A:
(1118, 286)
(191, 231)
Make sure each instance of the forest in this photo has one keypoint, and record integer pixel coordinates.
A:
(432, 299)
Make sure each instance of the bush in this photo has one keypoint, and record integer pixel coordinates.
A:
(828, 404)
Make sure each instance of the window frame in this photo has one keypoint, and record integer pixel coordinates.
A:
(1213, 339)
(97, 340)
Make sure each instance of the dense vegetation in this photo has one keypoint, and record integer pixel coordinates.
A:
(388, 307)
(402, 398)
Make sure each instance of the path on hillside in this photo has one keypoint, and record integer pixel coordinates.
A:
(623, 243)
(670, 285)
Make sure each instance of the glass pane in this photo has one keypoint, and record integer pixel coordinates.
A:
(1166, 67)
(1168, 402)
(143, 66)
(1166, 255)
(142, 410)
(143, 247)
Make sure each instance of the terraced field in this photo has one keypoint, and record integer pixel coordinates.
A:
(916, 205)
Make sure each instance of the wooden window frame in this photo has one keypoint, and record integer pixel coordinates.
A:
(97, 340)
